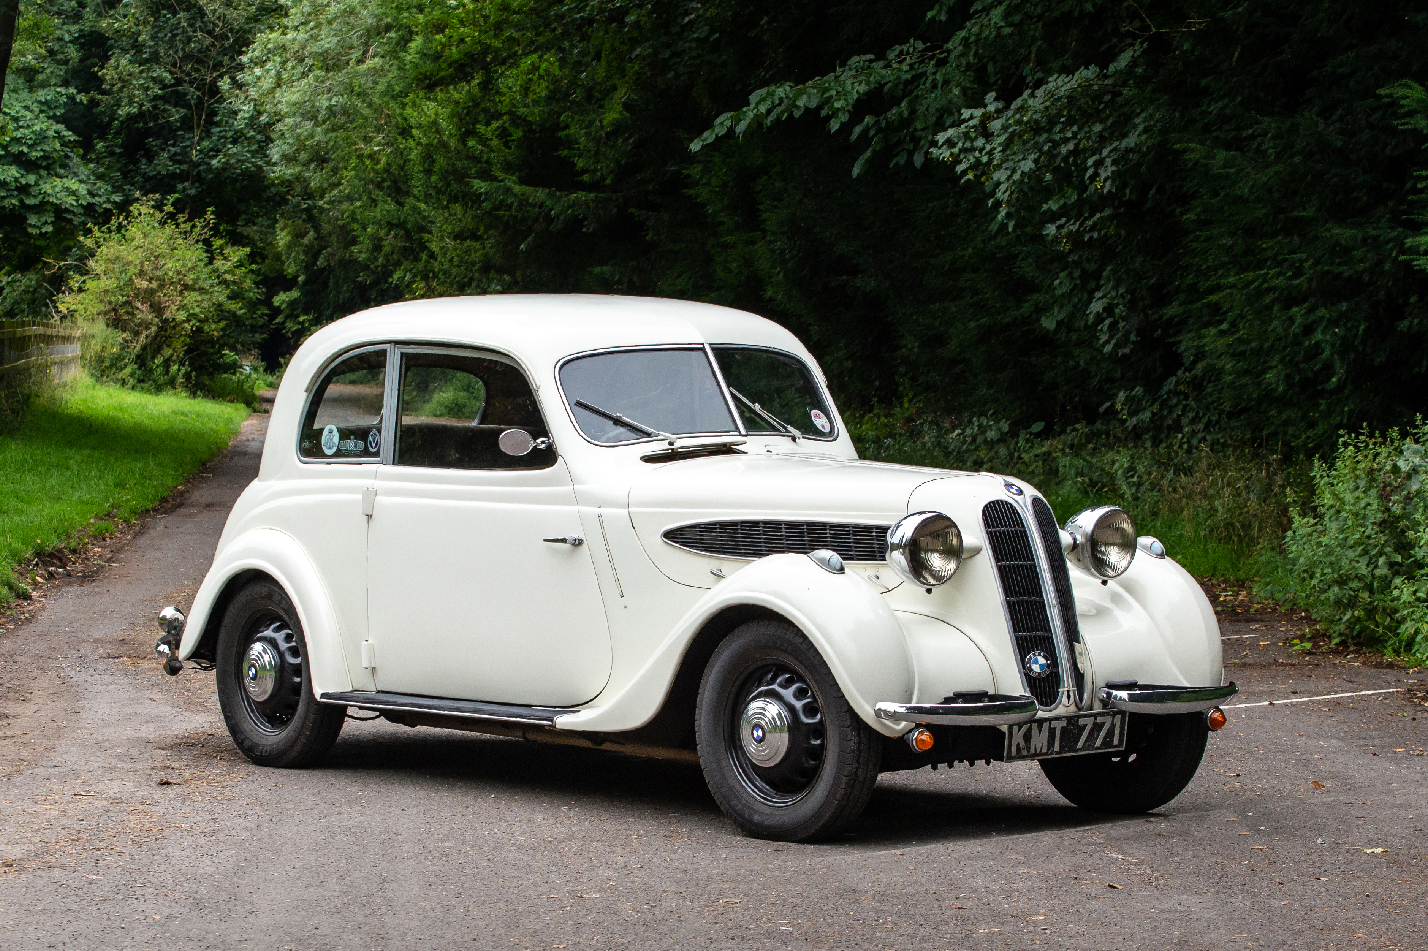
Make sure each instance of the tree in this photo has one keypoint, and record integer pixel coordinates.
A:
(9, 12)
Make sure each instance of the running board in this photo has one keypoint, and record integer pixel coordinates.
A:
(469, 709)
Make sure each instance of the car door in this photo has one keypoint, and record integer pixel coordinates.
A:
(468, 596)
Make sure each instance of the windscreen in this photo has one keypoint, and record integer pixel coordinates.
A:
(671, 391)
(773, 389)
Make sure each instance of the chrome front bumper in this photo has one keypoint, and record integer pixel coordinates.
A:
(1162, 699)
(970, 709)
(171, 622)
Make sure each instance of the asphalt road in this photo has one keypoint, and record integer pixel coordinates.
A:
(128, 820)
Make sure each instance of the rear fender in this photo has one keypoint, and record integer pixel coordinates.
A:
(273, 553)
(844, 616)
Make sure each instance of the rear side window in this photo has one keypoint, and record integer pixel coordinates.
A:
(344, 417)
(455, 407)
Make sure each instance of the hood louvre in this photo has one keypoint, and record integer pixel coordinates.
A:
(751, 539)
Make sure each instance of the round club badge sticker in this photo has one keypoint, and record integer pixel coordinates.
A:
(374, 441)
(329, 440)
(821, 421)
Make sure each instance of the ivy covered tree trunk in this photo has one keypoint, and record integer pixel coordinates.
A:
(9, 10)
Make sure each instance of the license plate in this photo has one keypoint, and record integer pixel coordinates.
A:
(1067, 736)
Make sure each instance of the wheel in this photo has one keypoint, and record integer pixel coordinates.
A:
(264, 688)
(1161, 756)
(782, 751)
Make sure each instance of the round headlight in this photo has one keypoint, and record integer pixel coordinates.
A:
(1105, 540)
(925, 548)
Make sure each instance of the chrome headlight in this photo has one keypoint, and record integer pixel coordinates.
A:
(925, 548)
(1105, 540)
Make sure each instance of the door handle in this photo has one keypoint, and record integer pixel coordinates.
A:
(575, 541)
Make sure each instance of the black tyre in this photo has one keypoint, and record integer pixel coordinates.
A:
(782, 752)
(1161, 756)
(264, 688)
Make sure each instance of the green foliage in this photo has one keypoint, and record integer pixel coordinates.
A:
(46, 190)
(1217, 510)
(179, 296)
(1220, 193)
(99, 455)
(1357, 556)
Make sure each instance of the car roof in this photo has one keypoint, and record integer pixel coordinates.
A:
(541, 329)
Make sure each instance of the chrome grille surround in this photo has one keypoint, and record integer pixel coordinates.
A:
(751, 539)
(1034, 621)
(1060, 574)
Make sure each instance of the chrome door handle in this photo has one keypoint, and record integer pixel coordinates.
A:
(575, 541)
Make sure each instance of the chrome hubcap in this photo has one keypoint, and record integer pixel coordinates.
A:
(763, 730)
(260, 670)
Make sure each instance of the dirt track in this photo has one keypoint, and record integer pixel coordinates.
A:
(128, 820)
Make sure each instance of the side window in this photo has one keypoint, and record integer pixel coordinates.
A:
(344, 416)
(454, 408)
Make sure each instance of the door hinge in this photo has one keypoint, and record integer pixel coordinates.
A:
(369, 500)
(369, 655)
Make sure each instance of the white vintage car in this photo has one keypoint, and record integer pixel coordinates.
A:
(640, 525)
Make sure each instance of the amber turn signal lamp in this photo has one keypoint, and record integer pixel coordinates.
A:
(1215, 718)
(920, 739)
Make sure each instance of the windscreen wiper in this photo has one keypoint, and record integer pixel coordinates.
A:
(625, 421)
(786, 429)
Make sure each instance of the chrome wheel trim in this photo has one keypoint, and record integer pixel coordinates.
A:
(786, 778)
(763, 731)
(271, 638)
(260, 670)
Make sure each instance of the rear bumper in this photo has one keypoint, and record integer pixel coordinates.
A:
(987, 709)
(1163, 699)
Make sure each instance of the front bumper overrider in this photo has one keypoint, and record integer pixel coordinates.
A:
(963, 709)
(1134, 697)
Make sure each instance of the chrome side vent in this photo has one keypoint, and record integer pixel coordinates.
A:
(751, 539)
(1014, 556)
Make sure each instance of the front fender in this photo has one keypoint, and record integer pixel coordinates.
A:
(844, 616)
(279, 556)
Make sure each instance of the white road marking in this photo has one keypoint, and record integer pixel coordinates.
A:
(1327, 696)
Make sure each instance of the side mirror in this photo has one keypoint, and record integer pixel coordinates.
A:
(518, 442)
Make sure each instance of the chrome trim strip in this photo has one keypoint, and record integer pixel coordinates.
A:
(1162, 699)
(465, 709)
(724, 387)
(999, 710)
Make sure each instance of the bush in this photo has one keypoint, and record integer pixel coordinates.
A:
(1357, 557)
(179, 297)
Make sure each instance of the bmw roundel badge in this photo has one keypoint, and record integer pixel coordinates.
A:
(1037, 664)
(1013, 489)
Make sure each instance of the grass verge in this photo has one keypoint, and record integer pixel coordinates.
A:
(97, 455)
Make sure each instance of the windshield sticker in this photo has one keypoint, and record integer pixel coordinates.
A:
(329, 440)
(821, 421)
(374, 441)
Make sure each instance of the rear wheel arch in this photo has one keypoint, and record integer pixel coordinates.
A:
(207, 647)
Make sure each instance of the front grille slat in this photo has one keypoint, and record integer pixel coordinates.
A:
(755, 538)
(1015, 561)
